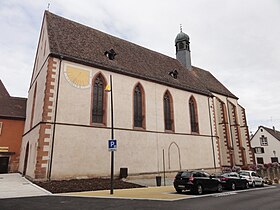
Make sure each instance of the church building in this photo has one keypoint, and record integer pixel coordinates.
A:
(167, 114)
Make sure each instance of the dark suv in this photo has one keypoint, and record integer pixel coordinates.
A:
(197, 182)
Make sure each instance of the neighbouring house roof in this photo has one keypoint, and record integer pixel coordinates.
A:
(85, 45)
(273, 132)
(11, 107)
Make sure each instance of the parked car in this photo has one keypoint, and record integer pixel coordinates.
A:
(197, 182)
(252, 177)
(233, 180)
(268, 181)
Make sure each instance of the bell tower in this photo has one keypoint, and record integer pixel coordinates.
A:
(183, 53)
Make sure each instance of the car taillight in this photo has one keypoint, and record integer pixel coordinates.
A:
(191, 179)
(224, 179)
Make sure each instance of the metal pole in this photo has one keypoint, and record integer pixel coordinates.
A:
(112, 137)
(163, 167)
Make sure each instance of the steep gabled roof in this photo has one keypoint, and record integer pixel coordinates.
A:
(211, 83)
(274, 133)
(11, 107)
(85, 45)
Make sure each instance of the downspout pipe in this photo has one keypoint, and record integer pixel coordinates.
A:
(49, 174)
(211, 130)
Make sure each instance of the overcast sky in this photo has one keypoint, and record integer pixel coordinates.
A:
(237, 41)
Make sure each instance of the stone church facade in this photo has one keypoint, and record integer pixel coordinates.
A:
(168, 114)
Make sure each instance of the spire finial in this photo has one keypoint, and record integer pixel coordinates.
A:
(49, 4)
(181, 28)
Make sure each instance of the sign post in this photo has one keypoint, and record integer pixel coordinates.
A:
(112, 144)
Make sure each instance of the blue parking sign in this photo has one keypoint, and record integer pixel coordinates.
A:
(112, 145)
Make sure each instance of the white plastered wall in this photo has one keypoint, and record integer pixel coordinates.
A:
(273, 145)
(81, 150)
(39, 78)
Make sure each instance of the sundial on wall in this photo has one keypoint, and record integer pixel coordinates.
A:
(77, 77)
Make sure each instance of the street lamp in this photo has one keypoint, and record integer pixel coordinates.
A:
(110, 89)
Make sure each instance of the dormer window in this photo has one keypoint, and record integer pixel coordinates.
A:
(110, 54)
(174, 74)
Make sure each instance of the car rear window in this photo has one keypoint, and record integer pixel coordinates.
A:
(245, 173)
(186, 174)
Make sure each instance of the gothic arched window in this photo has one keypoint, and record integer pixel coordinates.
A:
(139, 107)
(168, 112)
(193, 115)
(98, 101)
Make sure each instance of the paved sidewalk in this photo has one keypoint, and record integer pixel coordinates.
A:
(14, 185)
(164, 193)
(151, 182)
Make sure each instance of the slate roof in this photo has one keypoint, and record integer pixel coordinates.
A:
(85, 45)
(11, 107)
(274, 133)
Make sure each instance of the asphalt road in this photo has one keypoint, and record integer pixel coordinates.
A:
(257, 199)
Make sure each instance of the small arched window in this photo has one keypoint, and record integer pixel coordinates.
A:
(168, 112)
(139, 107)
(193, 115)
(98, 101)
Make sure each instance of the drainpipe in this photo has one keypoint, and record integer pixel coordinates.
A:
(54, 121)
(212, 139)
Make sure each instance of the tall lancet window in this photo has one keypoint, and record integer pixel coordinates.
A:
(193, 115)
(168, 112)
(98, 101)
(139, 107)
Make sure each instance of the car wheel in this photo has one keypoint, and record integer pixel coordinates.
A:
(246, 186)
(199, 189)
(232, 186)
(179, 190)
(219, 188)
(253, 184)
(262, 185)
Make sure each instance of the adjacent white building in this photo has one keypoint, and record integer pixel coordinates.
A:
(266, 145)
(168, 114)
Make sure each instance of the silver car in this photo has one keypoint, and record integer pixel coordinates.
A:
(252, 177)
